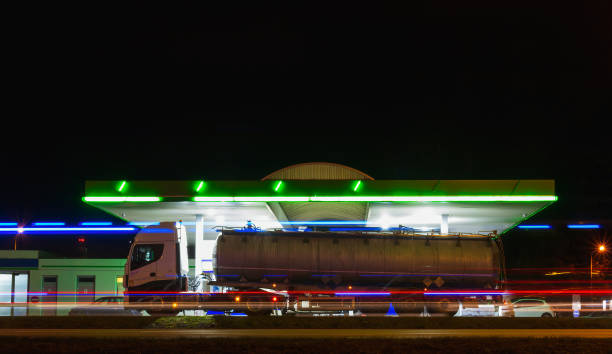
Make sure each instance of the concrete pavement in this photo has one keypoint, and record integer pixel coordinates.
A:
(309, 333)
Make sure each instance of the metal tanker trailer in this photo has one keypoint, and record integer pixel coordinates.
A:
(366, 272)
(298, 260)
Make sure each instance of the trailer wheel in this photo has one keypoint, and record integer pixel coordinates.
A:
(256, 307)
(444, 306)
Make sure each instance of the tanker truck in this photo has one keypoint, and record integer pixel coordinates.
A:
(293, 272)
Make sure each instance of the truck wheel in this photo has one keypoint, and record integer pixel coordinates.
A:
(158, 309)
(448, 307)
(546, 315)
(257, 307)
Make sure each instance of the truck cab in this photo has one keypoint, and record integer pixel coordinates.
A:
(157, 263)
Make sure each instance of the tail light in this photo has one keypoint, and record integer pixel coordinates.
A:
(274, 299)
(237, 299)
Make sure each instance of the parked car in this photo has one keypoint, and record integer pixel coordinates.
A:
(532, 307)
(104, 306)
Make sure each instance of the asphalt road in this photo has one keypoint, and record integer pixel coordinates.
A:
(309, 333)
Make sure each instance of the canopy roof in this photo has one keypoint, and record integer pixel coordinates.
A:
(472, 205)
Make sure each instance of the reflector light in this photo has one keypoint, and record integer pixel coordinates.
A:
(277, 186)
(199, 186)
(237, 299)
(274, 299)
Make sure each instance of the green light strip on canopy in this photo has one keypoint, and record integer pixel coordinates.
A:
(271, 199)
(213, 199)
(121, 199)
(487, 198)
(498, 198)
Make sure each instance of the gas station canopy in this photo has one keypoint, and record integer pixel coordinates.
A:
(354, 199)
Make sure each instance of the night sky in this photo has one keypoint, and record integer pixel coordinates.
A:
(426, 91)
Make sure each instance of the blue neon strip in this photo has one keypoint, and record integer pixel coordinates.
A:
(67, 230)
(8, 224)
(143, 223)
(49, 224)
(534, 227)
(238, 314)
(215, 313)
(583, 226)
(338, 222)
(275, 275)
(96, 223)
(323, 275)
(207, 260)
(156, 231)
(362, 294)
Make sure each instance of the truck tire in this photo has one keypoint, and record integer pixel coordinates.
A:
(444, 306)
(160, 308)
(257, 307)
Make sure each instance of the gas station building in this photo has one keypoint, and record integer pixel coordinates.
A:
(303, 197)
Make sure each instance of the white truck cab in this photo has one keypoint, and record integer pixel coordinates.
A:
(157, 262)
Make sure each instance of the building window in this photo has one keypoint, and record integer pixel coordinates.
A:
(86, 288)
(119, 285)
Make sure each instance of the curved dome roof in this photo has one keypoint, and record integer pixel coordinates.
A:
(320, 211)
(317, 171)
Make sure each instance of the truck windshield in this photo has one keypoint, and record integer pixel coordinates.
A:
(145, 254)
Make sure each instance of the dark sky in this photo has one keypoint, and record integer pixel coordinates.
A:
(476, 90)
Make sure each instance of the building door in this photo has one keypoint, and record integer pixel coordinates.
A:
(49, 300)
(14, 294)
(86, 289)
(20, 294)
(6, 290)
